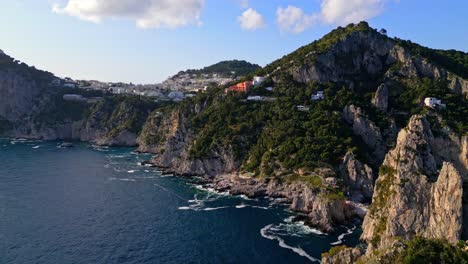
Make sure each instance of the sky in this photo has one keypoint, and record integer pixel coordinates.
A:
(146, 41)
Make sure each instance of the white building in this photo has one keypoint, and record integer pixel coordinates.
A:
(255, 98)
(318, 96)
(303, 108)
(433, 102)
(257, 80)
(117, 90)
(176, 96)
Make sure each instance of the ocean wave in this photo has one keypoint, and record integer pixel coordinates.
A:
(209, 188)
(215, 208)
(240, 206)
(265, 233)
(36, 147)
(292, 228)
(340, 240)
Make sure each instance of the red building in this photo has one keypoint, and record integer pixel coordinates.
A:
(240, 87)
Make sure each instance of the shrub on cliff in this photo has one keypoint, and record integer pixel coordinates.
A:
(428, 251)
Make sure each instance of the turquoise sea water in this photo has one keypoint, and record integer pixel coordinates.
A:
(97, 205)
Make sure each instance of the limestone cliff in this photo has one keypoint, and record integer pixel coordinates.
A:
(358, 178)
(413, 197)
(169, 136)
(368, 52)
(366, 130)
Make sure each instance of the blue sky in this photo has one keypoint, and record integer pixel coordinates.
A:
(145, 41)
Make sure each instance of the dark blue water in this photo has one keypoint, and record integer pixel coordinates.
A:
(90, 205)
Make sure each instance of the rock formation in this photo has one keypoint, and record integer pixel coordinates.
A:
(380, 100)
(366, 130)
(358, 178)
(412, 197)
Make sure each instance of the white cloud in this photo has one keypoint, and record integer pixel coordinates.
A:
(342, 12)
(337, 12)
(251, 20)
(293, 19)
(146, 13)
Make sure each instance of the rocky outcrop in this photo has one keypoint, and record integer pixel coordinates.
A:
(458, 85)
(368, 52)
(368, 49)
(412, 197)
(322, 210)
(342, 255)
(380, 100)
(454, 149)
(358, 178)
(366, 130)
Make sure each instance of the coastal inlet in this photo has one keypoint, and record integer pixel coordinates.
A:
(100, 205)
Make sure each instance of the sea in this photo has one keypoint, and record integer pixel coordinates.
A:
(90, 204)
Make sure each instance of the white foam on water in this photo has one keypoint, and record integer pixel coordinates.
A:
(349, 231)
(127, 180)
(215, 208)
(241, 206)
(260, 207)
(210, 190)
(132, 171)
(245, 197)
(282, 243)
(36, 147)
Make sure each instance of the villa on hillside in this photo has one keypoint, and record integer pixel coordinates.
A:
(302, 108)
(433, 102)
(243, 87)
(318, 96)
(257, 80)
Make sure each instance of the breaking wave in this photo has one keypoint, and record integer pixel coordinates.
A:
(340, 240)
(265, 232)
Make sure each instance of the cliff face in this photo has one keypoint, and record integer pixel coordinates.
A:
(31, 108)
(169, 136)
(370, 53)
(367, 131)
(17, 95)
(358, 178)
(412, 197)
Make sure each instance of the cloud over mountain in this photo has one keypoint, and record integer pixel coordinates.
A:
(336, 12)
(251, 20)
(145, 13)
